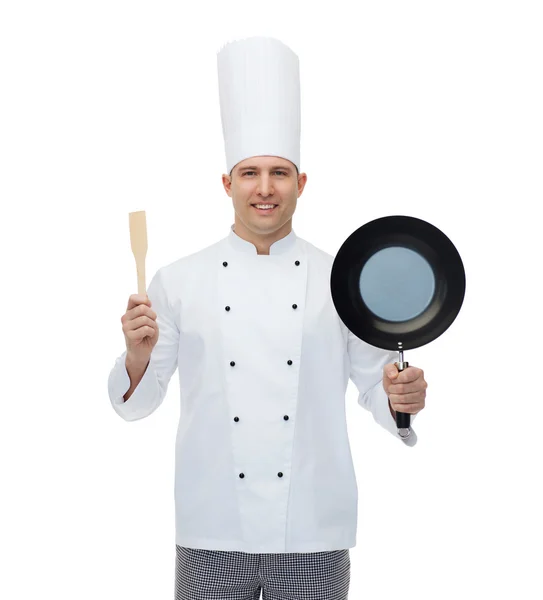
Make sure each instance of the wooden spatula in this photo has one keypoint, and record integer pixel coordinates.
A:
(138, 242)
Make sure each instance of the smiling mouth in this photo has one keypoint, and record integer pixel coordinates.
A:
(264, 210)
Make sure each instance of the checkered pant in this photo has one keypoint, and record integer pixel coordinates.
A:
(232, 575)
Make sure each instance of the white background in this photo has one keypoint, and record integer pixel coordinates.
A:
(431, 109)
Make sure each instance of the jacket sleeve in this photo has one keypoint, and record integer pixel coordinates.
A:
(366, 372)
(150, 392)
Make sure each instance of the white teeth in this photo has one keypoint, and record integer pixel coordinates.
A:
(264, 205)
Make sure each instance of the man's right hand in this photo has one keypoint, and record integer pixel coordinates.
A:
(140, 328)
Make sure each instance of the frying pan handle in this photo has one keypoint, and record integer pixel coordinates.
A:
(403, 420)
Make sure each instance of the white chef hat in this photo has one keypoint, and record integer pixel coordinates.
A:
(259, 93)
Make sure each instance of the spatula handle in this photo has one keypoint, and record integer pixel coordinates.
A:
(140, 267)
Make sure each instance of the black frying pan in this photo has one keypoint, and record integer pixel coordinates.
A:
(398, 283)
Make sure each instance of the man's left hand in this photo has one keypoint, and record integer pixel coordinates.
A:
(406, 390)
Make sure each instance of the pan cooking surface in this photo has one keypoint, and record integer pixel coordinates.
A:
(397, 284)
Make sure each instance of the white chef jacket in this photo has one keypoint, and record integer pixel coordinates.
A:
(263, 461)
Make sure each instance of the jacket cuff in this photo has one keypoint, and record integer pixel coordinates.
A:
(141, 402)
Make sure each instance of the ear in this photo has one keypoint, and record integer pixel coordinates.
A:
(227, 183)
(302, 180)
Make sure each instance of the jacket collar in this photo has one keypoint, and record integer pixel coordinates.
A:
(279, 247)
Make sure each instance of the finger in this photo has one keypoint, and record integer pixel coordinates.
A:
(409, 374)
(137, 311)
(141, 309)
(407, 408)
(391, 371)
(136, 299)
(142, 321)
(414, 397)
(141, 332)
(145, 328)
(407, 388)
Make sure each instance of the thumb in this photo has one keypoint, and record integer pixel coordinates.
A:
(391, 371)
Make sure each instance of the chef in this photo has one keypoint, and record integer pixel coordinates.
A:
(265, 489)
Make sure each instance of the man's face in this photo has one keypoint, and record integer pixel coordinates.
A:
(264, 180)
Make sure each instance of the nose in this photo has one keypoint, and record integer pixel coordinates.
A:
(264, 186)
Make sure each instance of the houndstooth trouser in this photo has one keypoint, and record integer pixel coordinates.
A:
(231, 575)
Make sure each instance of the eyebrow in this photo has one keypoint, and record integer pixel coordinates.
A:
(273, 168)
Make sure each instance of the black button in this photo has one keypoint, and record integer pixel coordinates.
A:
(285, 417)
(279, 474)
(241, 475)
(297, 263)
(226, 308)
(232, 363)
(295, 306)
(236, 419)
(289, 362)
(224, 264)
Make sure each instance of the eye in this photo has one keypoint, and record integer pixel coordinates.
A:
(248, 172)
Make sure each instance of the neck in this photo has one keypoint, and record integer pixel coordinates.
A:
(262, 241)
